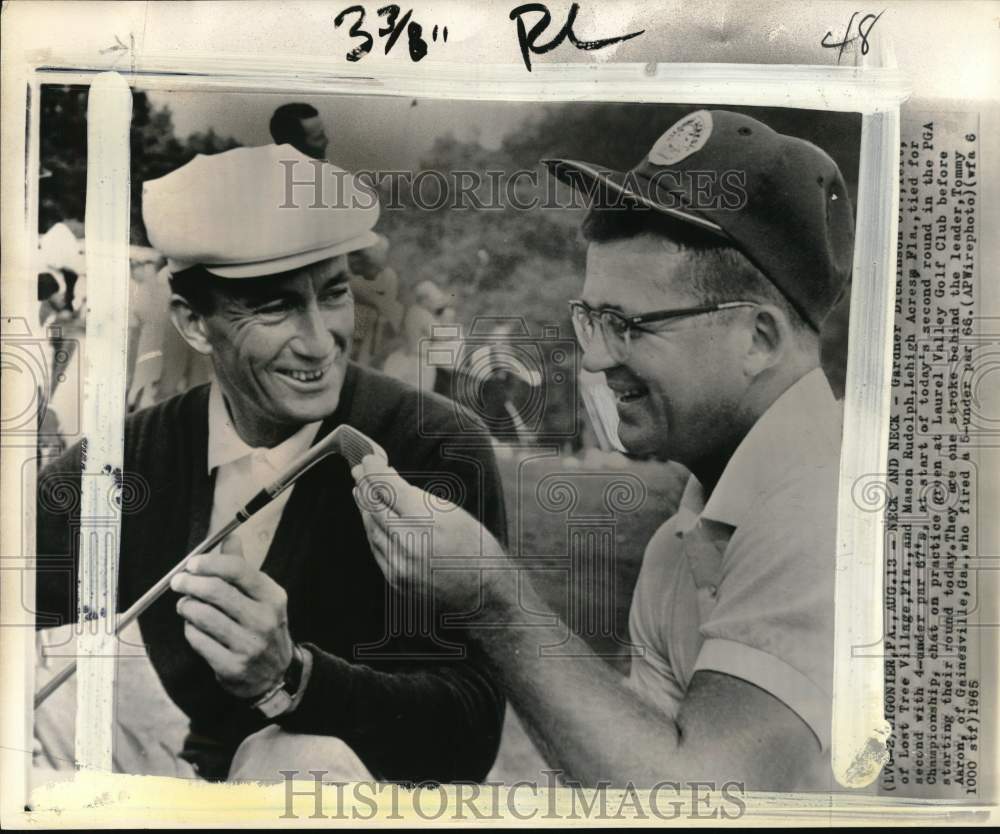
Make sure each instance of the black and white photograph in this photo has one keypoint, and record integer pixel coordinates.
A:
(501, 440)
(499, 414)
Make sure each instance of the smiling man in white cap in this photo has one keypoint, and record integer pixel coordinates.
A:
(285, 644)
(711, 266)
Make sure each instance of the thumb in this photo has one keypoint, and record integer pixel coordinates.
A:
(382, 487)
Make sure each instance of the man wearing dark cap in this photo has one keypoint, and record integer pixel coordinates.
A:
(286, 649)
(710, 269)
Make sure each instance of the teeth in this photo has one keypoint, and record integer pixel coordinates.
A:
(304, 376)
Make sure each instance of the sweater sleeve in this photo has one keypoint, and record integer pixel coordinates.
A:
(418, 719)
(433, 722)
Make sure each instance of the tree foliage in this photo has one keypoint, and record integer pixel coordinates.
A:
(155, 151)
(511, 261)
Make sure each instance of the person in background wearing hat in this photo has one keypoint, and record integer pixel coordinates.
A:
(378, 314)
(299, 125)
(704, 322)
(282, 649)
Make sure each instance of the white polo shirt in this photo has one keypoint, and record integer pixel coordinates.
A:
(744, 583)
(243, 472)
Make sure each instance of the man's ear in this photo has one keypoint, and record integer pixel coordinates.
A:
(190, 324)
(769, 336)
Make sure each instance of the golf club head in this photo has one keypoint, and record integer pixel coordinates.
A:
(353, 445)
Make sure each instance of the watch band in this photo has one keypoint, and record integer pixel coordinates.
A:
(280, 697)
(293, 674)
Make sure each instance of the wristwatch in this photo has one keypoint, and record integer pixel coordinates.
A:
(280, 697)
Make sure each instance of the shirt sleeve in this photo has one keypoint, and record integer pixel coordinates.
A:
(772, 624)
(651, 674)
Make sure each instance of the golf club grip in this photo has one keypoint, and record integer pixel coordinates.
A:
(140, 605)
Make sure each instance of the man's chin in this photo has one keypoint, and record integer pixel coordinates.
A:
(311, 410)
(296, 408)
(641, 443)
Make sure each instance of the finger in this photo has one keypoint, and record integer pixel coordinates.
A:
(223, 662)
(234, 570)
(379, 547)
(368, 465)
(258, 615)
(370, 511)
(211, 621)
(378, 538)
(394, 562)
(229, 599)
(384, 542)
(384, 486)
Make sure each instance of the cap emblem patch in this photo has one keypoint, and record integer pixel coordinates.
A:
(682, 139)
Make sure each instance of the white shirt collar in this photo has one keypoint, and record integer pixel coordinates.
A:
(803, 424)
(226, 446)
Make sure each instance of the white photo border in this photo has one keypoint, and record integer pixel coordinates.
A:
(859, 727)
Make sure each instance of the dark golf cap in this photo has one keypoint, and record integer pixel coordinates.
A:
(778, 199)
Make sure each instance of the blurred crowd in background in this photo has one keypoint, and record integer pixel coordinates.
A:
(419, 342)
(469, 304)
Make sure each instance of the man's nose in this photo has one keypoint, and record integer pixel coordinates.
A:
(596, 357)
(315, 333)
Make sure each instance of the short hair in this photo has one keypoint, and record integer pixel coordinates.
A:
(195, 285)
(286, 123)
(720, 272)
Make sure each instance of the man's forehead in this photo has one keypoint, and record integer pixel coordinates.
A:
(266, 285)
(312, 123)
(636, 273)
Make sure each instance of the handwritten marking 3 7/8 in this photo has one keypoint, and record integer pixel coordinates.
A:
(397, 22)
(390, 33)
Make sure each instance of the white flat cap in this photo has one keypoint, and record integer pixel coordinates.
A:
(257, 211)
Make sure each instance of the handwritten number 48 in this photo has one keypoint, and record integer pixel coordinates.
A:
(394, 26)
(864, 28)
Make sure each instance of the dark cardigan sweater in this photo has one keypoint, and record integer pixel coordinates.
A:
(413, 707)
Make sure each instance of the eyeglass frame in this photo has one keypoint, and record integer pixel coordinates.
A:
(635, 322)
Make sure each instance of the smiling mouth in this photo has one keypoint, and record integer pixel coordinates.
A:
(305, 376)
(628, 395)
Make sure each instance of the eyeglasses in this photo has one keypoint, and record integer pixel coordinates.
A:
(616, 328)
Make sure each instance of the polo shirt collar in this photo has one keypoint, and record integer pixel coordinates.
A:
(690, 507)
(804, 420)
(226, 446)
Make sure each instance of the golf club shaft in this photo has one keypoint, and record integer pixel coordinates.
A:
(295, 469)
(139, 606)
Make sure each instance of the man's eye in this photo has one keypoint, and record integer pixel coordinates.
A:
(336, 294)
(275, 308)
(616, 325)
